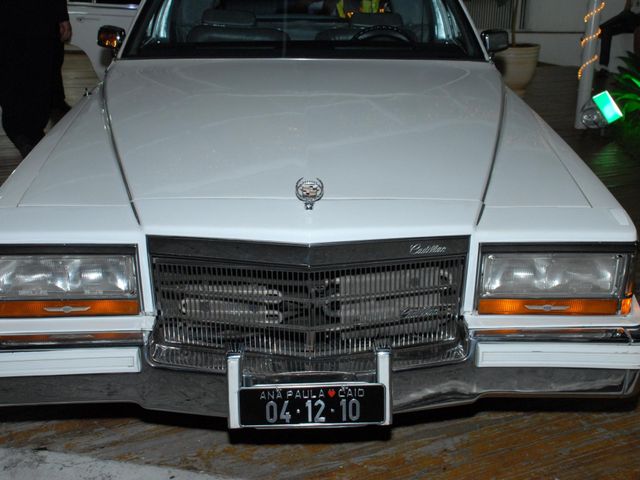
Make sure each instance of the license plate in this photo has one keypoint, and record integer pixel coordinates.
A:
(312, 405)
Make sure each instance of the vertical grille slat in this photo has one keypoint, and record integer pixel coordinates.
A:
(305, 312)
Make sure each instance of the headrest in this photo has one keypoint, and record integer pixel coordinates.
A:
(372, 19)
(206, 34)
(228, 18)
(258, 7)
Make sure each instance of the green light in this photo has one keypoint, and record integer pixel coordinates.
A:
(608, 107)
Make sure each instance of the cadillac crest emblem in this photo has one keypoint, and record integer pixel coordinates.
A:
(309, 191)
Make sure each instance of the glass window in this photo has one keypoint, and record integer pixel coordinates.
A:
(304, 28)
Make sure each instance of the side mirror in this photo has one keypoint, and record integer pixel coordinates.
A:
(111, 37)
(495, 40)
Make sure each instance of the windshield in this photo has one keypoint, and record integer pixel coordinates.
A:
(303, 29)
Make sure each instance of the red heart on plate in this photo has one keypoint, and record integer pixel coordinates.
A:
(332, 393)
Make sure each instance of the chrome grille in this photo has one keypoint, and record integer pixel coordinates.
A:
(302, 310)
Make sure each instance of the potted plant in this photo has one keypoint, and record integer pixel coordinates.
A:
(518, 62)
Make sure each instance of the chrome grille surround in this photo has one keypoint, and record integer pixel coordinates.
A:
(307, 308)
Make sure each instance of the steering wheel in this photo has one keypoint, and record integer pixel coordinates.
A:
(383, 31)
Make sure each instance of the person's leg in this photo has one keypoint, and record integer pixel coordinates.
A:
(4, 80)
(27, 100)
(11, 76)
(59, 106)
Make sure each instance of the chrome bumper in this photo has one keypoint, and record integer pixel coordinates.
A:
(417, 389)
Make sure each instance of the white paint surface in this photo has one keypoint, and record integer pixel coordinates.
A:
(72, 361)
(558, 355)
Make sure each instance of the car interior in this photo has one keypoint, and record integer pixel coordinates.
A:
(326, 28)
(206, 21)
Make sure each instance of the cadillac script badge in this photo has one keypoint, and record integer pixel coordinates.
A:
(309, 191)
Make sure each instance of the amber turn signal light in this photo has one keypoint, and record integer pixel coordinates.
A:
(509, 306)
(111, 37)
(109, 41)
(625, 308)
(68, 308)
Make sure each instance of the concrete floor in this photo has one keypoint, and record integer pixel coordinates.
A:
(499, 438)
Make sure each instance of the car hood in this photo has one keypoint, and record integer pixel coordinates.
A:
(214, 148)
(251, 128)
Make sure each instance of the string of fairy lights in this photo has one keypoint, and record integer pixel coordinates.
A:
(594, 12)
(591, 38)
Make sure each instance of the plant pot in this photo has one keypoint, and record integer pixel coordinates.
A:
(518, 65)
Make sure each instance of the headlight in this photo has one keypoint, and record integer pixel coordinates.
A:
(68, 285)
(590, 283)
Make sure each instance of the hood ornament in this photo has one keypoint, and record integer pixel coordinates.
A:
(309, 191)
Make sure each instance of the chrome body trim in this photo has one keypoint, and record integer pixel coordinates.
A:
(383, 376)
(429, 387)
(599, 335)
(496, 148)
(307, 255)
(66, 309)
(238, 378)
(108, 6)
(234, 381)
(304, 303)
(104, 100)
(309, 192)
(71, 340)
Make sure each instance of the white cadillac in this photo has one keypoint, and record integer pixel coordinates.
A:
(300, 213)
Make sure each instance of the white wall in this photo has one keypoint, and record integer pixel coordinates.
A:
(556, 48)
(558, 26)
(557, 15)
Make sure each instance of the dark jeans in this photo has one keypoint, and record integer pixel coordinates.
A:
(625, 22)
(57, 87)
(25, 88)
